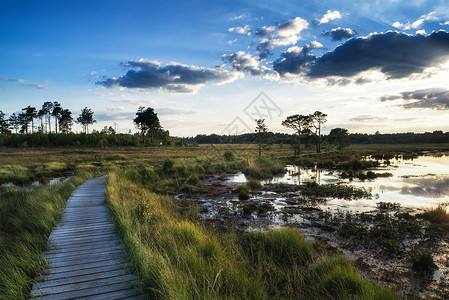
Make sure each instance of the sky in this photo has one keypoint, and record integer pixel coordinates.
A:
(216, 66)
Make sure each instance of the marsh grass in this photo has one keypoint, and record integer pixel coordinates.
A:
(178, 257)
(26, 221)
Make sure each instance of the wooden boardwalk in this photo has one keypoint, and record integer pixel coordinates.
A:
(86, 258)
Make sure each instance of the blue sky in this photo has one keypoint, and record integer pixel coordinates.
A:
(370, 65)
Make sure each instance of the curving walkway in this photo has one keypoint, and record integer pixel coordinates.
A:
(86, 258)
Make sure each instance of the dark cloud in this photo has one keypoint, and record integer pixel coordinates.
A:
(173, 77)
(434, 98)
(243, 62)
(338, 34)
(397, 55)
(295, 60)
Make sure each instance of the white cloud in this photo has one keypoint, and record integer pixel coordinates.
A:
(407, 26)
(331, 15)
(421, 32)
(285, 34)
(445, 23)
(241, 30)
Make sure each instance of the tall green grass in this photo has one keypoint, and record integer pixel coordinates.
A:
(179, 258)
(26, 221)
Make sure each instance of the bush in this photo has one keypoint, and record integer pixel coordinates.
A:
(422, 262)
(229, 155)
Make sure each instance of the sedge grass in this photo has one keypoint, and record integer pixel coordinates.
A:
(179, 258)
(26, 221)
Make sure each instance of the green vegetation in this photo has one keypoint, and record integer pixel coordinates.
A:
(334, 190)
(437, 215)
(422, 262)
(179, 258)
(26, 221)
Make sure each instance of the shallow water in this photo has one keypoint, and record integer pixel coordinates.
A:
(419, 183)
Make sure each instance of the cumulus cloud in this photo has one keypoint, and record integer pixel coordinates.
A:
(244, 62)
(296, 59)
(25, 83)
(413, 25)
(445, 23)
(285, 34)
(331, 15)
(337, 34)
(432, 98)
(246, 30)
(397, 55)
(171, 78)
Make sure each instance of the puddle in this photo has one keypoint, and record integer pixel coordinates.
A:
(35, 184)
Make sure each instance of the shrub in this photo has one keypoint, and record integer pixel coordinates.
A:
(229, 155)
(422, 262)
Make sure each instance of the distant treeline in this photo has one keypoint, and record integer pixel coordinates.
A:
(107, 138)
(94, 139)
(354, 138)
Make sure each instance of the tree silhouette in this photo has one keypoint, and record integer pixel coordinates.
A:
(147, 122)
(318, 119)
(261, 132)
(300, 123)
(86, 118)
(56, 112)
(30, 114)
(65, 121)
(14, 121)
(45, 112)
(4, 124)
(339, 137)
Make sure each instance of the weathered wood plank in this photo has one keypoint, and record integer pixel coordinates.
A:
(93, 291)
(85, 256)
(90, 284)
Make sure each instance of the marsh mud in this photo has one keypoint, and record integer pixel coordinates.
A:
(381, 230)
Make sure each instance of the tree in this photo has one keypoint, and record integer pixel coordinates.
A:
(14, 121)
(261, 132)
(86, 118)
(65, 121)
(30, 114)
(45, 112)
(300, 123)
(56, 112)
(108, 130)
(23, 121)
(318, 119)
(147, 122)
(4, 124)
(339, 137)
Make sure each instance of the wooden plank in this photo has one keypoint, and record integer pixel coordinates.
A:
(78, 279)
(96, 246)
(93, 291)
(82, 272)
(86, 257)
(123, 294)
(90, 284)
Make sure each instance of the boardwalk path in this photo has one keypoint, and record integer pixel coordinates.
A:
(86, 258)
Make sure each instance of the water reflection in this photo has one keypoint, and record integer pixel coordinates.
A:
(421, 183)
